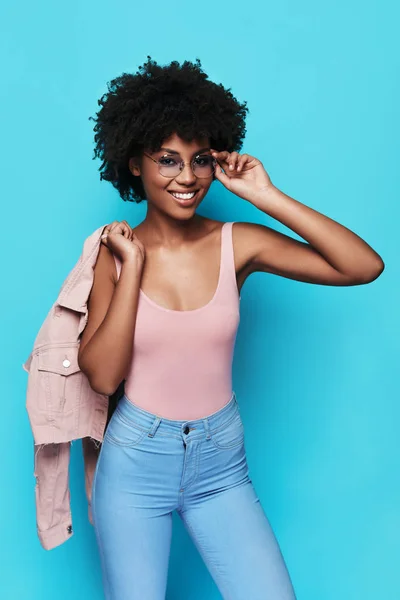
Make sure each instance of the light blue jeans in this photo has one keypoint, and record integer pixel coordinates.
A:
(150, 466)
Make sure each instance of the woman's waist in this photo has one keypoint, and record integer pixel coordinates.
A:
(175, 413)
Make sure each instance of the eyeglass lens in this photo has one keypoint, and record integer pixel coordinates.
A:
(203, 166)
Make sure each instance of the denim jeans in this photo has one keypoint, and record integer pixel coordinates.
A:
(150, 466)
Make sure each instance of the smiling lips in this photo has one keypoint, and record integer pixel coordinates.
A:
(183, 195)
(185, 199)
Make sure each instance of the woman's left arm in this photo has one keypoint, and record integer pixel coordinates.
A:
(334, 255)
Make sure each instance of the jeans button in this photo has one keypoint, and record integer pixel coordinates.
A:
(186, 430)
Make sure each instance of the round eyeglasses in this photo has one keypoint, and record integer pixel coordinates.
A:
(169, 166)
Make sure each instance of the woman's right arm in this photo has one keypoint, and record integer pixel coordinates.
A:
(106, 344)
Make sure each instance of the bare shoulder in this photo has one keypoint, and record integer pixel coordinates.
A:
(244, 241)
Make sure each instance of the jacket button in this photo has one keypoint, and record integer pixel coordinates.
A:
(186, 430)
(66, 363)
(69, 528)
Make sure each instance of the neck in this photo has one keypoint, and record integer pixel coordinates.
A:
(165, 230)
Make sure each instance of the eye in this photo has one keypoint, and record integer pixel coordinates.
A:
(203, 160)
(167, 161)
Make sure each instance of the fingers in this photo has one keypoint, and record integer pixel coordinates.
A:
(106, 231)
(121, 227)
(242, 161)
(127, 231)
(232, 160)
(221, 157)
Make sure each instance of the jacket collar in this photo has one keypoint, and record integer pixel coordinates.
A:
(76, 288)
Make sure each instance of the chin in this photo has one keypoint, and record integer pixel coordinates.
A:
(183, 215)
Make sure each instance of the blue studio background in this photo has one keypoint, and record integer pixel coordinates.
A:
(314, 366)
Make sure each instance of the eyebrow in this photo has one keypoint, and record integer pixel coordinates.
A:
(176, 152)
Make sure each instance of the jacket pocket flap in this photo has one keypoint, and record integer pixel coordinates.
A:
(61, 360)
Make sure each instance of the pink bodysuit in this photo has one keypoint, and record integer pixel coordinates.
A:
(182, 360)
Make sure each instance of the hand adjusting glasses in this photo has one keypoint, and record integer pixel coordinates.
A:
(203, 165)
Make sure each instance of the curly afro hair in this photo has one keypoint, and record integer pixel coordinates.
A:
(140, 111)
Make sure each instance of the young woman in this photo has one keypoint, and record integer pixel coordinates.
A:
(163, 316)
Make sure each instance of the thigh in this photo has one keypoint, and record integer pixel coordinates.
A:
(133, 530)
(238, 545)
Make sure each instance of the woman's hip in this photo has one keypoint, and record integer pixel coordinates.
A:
(145, 455)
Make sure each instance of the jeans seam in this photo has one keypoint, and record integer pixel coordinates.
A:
(241, 440)
(146, 430)
(195, 469)
(197, 539)
(129, 422)
(115, 442)
(225, 424)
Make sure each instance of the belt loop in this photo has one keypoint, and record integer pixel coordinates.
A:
(207, 428)
(154, 427)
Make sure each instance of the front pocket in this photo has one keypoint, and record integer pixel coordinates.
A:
(58, 380)
(123, 433)
(229, 435)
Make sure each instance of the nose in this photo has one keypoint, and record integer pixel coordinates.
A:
(186, 176)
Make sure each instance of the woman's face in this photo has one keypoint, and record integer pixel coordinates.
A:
(158, 188)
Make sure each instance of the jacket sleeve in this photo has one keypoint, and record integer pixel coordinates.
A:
(53, 511)
(91, 450)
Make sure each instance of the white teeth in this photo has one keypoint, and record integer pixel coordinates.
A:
(183, 196)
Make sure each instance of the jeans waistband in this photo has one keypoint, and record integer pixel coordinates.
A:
(151, 421)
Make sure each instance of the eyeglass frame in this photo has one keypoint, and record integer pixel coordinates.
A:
(182, 165)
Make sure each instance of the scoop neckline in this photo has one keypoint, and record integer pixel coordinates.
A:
(194, 310)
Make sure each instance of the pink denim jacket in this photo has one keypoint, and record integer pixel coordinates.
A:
(61, 405)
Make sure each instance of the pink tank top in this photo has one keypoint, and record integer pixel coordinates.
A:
(182, 360)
